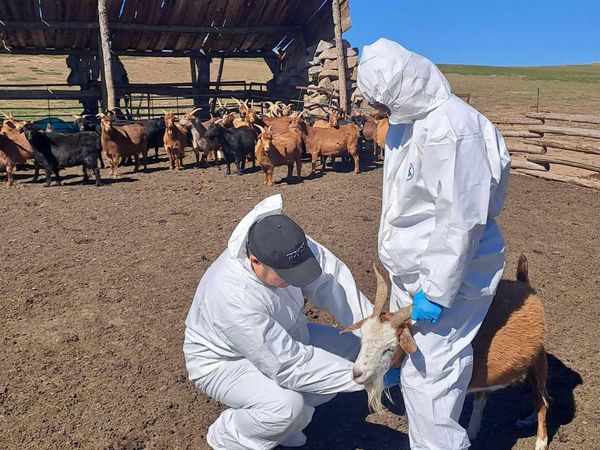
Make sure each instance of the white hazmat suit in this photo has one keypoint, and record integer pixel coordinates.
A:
(249, 346)
(445, 177)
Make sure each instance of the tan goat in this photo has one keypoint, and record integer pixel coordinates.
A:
(332, 122)
(381, 128)
(508, 347)
(174, 140)
(122, 141)
(280, 149)
(324, 142)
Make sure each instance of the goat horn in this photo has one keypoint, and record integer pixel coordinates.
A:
(252, 104)
(262, 130)
(194, 110)
(219, 103)
(381, 295)
(237, 101)
(401, 316)
(353, 327)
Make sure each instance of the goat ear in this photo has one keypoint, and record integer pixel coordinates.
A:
(406, 340)
(353, 327)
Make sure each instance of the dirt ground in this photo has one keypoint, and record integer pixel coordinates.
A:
(97, 282)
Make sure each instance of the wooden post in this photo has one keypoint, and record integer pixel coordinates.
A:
(195, 92)
(341, 55)
(218, 85)
(107, 78)
(203, 80)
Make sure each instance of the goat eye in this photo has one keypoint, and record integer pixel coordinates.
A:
(388, 350)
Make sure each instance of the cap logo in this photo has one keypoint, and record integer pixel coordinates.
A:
(296, 253)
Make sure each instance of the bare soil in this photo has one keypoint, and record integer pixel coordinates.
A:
(96, 284)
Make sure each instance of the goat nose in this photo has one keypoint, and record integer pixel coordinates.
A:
(356, 373)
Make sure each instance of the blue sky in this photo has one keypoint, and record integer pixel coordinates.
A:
(484, 32)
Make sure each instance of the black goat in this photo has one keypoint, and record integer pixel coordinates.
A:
(55, 151)
(237, 144)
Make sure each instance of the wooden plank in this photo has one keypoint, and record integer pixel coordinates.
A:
(514, 164)
(563, 162)
(580, 118)
(516, 121)
(149, 53)
(585, 182)
(43, 94)
(141, 27)
(525, 149)
(579, 132)
(581, 148)
(521, 134)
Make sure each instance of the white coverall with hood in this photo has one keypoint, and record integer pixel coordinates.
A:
(249, 346)
(445, 177)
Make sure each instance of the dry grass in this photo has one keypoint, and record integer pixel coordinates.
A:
(493, 90)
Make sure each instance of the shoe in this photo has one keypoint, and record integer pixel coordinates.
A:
(294, 440)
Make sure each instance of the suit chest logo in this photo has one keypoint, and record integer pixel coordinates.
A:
(411, 172)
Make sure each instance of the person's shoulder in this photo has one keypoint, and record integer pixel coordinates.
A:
(233, 286)
(457, 118)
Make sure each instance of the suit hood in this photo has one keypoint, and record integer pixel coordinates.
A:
(407, 83)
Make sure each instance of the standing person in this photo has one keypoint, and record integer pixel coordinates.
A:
(247, 341)
(445, 177)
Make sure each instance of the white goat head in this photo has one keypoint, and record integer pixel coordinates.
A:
(385, 340)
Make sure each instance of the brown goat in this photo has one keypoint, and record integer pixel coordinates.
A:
(324, 142)
(174, 141)
(14, 148)
(122, 141)
(508, 347)
(279, 149)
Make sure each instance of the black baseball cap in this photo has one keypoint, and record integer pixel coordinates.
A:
(279, 242)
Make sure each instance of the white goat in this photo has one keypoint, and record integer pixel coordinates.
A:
(508, 346)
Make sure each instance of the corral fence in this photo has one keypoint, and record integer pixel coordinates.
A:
(140, 100)
(543, 143)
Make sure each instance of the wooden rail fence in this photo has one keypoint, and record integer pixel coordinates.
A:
(535, 137)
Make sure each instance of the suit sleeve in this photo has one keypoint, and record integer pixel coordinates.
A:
(336, 289)
(291, 364)
(458, 177)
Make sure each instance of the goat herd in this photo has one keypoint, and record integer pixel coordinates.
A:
(280, 137)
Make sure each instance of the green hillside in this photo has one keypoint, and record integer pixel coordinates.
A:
(585, 73)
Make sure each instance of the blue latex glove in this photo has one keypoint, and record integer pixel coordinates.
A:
(391, 378)
(425, 310)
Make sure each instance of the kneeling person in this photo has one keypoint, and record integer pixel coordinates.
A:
(247, 341)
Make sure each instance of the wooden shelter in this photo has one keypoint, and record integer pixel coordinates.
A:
(276, 30)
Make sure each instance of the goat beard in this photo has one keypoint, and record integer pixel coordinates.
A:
(374, 390)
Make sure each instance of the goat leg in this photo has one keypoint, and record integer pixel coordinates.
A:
(36, 170)
(85, 174)
(97, 176)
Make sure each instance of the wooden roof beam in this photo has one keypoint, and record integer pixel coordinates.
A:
(153, 53)
(138, 27)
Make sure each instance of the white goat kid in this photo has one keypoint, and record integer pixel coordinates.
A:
(508, 347)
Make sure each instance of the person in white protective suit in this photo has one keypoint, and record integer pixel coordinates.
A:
(445, 178)
(247, 341)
